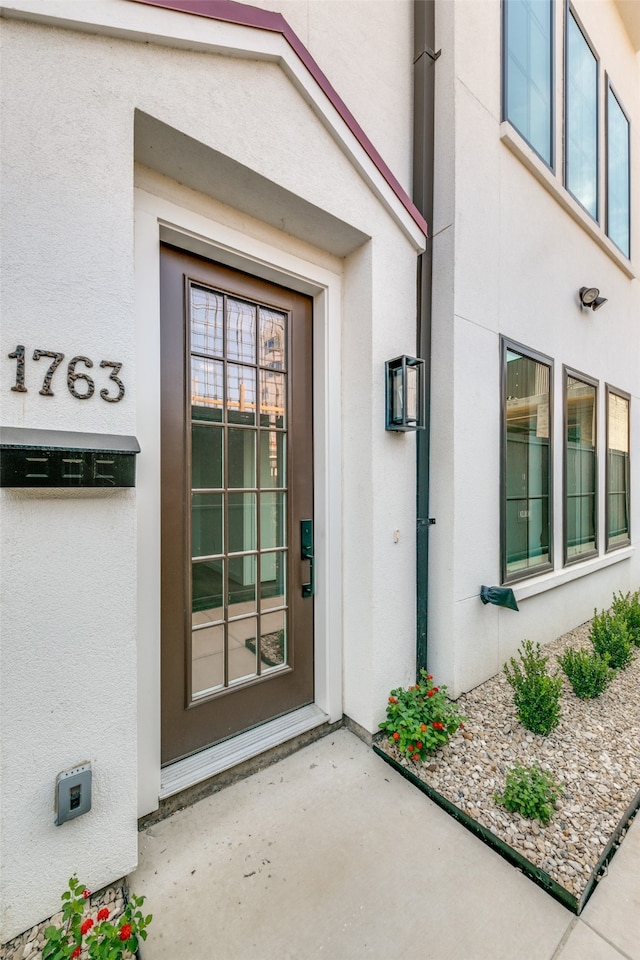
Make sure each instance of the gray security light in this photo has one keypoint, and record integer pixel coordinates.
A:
(590, 297)
(404, 394)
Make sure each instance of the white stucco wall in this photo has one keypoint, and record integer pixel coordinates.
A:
(509, 261)
(366, 49)
(80, 588)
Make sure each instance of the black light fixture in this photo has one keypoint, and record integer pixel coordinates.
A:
(404, 382)
(590, 297)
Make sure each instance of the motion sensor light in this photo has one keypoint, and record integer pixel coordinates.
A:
(588, 295)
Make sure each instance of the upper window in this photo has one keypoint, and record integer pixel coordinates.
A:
(618, 187)
(596, 130)
(526, 473)
(527, 34)
(581, 118)
(618, 529)
(580, 467)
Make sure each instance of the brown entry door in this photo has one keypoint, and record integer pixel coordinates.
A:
(237, 484)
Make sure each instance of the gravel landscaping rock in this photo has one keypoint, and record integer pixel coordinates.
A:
(594, 753)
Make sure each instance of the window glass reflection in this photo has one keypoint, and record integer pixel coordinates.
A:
(206, 456)
(617, 174)
(207, 389)
(582, 119)
(617, 470)
(272, 339)
(241, 394)
(527, 461)
(272, 399)
(581, 467)
(241, 331)
(272, 458)
(206, 321)
(528, 71)
(207, 660)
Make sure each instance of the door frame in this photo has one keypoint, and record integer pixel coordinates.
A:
(216, 238)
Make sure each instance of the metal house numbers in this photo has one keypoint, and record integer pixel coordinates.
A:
(80, 384)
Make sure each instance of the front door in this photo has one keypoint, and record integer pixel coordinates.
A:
(237, 490)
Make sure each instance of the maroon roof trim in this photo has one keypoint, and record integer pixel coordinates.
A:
(248, 16)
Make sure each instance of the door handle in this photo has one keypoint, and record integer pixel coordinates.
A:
(306, 553)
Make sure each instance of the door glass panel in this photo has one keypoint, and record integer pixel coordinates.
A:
(241, 457)
(206, 321)
(272, 338)
(272, 520)
(242, 649)
(272, 458)
(242, 522)
(207, 592)
(206, 456)
(241, 331)
(207, 391)
(273, 640)
(241, 394)
(272, 399)
(206, 524)
(239, 556)
(207, 657)
(273, 580)
(242, 585)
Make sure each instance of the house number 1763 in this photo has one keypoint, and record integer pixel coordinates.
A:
(80, 384)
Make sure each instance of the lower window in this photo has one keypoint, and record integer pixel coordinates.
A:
(526, 468)
(617, 472)
(580, 467)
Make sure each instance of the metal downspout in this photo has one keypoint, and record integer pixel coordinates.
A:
(423, 161)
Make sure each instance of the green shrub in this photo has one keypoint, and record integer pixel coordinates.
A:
(421, 719)
(588, 673)
(530, 791)
(535, 693)
(628, 607)
(610, 635)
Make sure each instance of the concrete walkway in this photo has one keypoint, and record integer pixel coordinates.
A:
(331, 854)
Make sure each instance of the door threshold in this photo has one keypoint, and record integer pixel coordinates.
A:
(208, 763)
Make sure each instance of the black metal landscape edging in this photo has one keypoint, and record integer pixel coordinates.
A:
(539, 876)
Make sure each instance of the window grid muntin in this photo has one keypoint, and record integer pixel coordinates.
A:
(276, 365)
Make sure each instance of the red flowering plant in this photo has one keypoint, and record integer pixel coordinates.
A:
(421, 718)
(94, 938)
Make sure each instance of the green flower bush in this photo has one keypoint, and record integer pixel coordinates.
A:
(627, 607)
(420, 719)
(610, 635)
(530, 791)
(535, 693)
(98, 938)
(587, 672)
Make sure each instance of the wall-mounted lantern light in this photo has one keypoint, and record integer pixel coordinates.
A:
(590, 297)
(404, 393)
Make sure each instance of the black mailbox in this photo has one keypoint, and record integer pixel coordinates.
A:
(60, 458)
